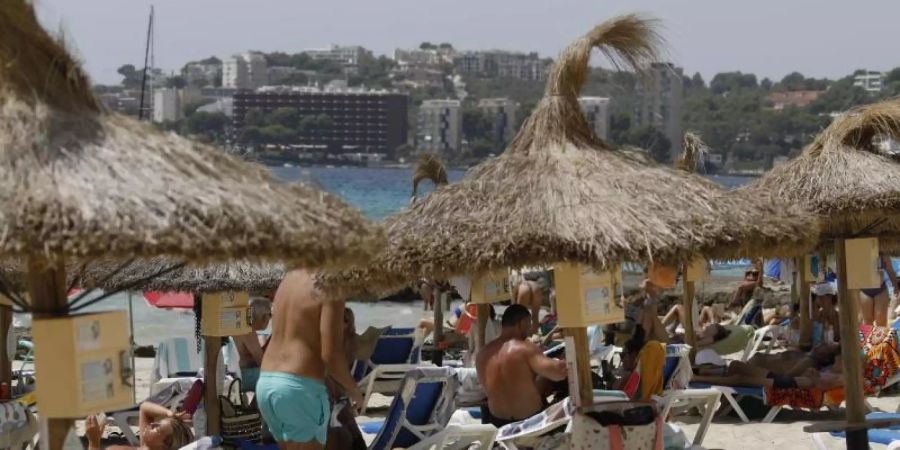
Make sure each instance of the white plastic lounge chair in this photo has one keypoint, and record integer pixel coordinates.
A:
(397, 352)
(676, 396)
(178, 361)
(418, 416)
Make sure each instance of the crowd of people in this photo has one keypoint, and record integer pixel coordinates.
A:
(301, 382)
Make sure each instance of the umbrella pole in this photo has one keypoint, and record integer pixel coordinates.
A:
(582, 365)
(803, 294)
(47, 287)
(437, 355)
(5, 363)
(131, 326)
(212, 347)
(484, 310)
(853, 384)
(688, 306)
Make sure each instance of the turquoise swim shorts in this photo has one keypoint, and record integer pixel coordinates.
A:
(295, 408)
(249, 378)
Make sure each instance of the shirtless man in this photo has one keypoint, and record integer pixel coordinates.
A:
(508, 368)
(249, 347)
(530, 294)
(305, 347)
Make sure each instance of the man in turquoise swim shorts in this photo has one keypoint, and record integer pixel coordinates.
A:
(305, 347)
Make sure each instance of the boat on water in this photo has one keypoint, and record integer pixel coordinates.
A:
(287, 165)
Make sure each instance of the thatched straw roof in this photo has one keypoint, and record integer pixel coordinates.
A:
(428, 167)
(233, 276)
(559, 193)
(693, 152)
(79, 181)
(843, 175)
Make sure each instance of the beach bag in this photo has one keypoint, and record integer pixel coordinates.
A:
(238, 421)
(617, 426)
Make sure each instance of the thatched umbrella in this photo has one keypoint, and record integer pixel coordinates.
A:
(560, 194)
(78, 182)
(231, 276)
(428, 167)
(854, 187)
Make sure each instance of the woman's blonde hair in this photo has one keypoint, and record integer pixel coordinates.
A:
(181, 434)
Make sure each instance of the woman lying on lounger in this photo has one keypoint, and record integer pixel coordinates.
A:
(744, 374)
(161, 429)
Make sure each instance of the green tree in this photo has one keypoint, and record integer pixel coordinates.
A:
(732, 81)
(427, 46)
(131, 77)
(284, 116)
(653, 141)
(255, 117)
(210, 126)
(477, 125)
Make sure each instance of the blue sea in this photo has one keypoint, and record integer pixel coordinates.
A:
(378, 192)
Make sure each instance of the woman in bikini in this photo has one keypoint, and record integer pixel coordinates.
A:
(873, 303)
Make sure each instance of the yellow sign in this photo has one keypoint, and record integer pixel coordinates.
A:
(863, 263)
(491, 287)
(585, 297)
(225, 314)
(696, 270)
(88, 360)
(662, 276)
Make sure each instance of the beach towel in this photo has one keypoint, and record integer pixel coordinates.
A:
(652, 362)
(795, 397)
(882, 360)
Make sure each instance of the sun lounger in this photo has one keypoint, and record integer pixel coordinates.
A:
(397, 352)
(418, 416)
(889, 436)
(542, 427)
(677, 394)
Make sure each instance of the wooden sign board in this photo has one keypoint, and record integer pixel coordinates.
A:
(88, 361)
(696, 270)
(585, 297)
(862, 263)
(225, 314)
(663, 276)
(491, 287)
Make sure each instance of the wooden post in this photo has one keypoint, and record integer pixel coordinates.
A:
(803, 293)
(5, 364)
(484, 311)
(582, 355)
(47, 287)
(437, 355)
(853, 384)
(690, 337)
(212, 347)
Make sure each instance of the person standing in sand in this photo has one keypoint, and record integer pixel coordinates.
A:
(249, 347)
(305, 347)
(508, 368)
(530, 294)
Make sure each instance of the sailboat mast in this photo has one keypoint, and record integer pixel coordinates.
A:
(146, 61)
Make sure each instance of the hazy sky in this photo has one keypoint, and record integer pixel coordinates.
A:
(822, 38)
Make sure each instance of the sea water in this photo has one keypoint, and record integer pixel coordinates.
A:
(377, 192)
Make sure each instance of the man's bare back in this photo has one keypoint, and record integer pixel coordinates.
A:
(505, 372)
(296, 342)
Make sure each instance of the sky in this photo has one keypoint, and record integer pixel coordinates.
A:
(771, 38)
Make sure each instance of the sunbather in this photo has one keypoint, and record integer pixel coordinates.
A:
(744, 374)
(530, 294)
(508, 368)
(825, 312)
(676, 316)
(647, 358)
(161, 429)
(249, 347)
(744, 293)
(796, 362)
